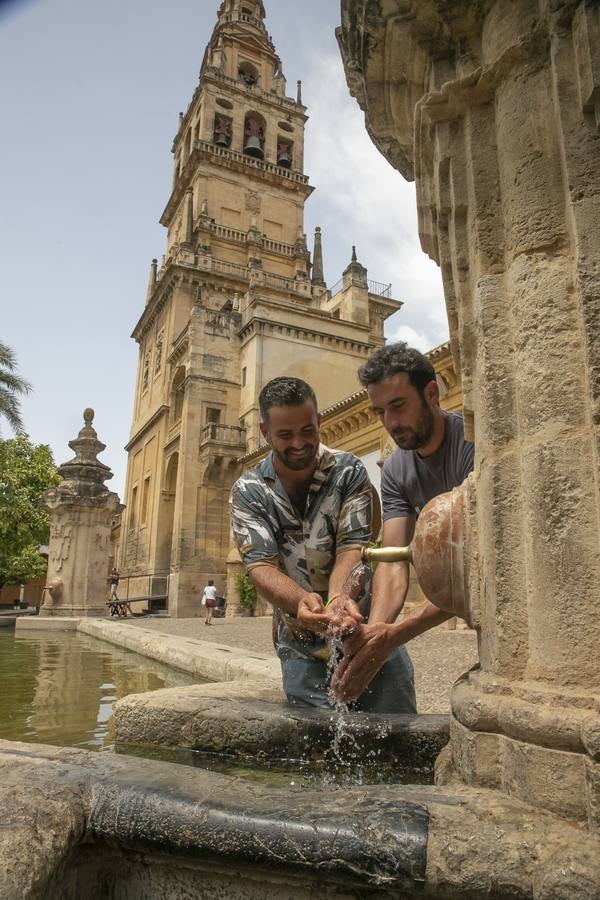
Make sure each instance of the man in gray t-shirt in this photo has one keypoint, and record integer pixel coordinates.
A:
(409, 480)
(432, 458)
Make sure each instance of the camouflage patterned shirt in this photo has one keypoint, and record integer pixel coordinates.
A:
(267, 529)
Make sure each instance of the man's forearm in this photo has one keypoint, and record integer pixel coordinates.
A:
(426, 617)
(344, 563)
(390, 587)
(277, 587)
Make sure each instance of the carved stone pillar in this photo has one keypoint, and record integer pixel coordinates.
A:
(81, 511)
(494, 109)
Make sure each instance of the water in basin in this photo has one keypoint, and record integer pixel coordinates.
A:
(60, 689)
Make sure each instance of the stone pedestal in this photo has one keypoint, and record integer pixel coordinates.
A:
(494, 109)
(81, 511)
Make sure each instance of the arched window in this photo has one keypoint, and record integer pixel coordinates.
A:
(177, 395)
(255, 129)
(285, 152)
(170, 485)
(222, 130)
(248, 74)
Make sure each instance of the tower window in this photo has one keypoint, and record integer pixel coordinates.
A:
(213, 416)
(177, 395)
(222, 131)
(244, 376)
(145, 498)
(254, 136)
(248, 74)
(133, 508)
(285, 153)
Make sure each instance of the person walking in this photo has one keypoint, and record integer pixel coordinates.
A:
(209, 599)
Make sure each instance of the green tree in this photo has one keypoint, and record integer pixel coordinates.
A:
(11, 387)
(26, 472)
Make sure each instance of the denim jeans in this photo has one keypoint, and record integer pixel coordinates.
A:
(392, 690)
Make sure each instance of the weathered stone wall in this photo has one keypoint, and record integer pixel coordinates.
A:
(493, 108)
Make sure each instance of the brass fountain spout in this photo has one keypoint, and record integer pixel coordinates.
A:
(386, 554)
(439, 552)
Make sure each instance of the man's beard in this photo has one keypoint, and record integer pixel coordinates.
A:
(414, 438)
(296, 462)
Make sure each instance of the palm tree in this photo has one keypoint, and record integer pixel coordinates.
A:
(11, 386)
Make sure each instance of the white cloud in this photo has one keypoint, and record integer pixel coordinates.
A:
(362, 192)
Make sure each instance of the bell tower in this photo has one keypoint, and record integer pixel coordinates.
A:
(232, 305)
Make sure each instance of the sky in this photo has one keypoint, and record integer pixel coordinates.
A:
(90, 95)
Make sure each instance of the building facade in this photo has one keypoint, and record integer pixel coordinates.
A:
(236, 301)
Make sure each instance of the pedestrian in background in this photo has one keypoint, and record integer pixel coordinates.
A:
(209, 599)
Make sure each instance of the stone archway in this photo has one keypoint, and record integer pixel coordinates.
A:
(164, 537)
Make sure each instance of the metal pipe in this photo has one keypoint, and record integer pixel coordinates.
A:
(386, 554)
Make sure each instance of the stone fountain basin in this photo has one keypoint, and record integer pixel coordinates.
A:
(84, 826)
(253, 719)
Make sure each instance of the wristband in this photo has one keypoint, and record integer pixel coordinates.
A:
(331, 599)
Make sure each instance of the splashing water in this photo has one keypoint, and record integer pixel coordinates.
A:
(357, 585)
(345, 753)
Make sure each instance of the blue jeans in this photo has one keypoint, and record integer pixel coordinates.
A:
(392, 690)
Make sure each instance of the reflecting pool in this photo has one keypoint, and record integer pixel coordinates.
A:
(61, 688)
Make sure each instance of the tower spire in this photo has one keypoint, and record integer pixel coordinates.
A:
(318, 278)
(152, 280)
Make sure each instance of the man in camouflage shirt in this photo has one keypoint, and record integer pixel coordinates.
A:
(299, 520)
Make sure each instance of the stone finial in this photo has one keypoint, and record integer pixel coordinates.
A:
(318, 278)
(152, 279)
(299, 95)
(84, 475)
(355, 273)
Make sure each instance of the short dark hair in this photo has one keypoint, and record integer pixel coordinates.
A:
(394, 358)
(210, 582)
(285, 391)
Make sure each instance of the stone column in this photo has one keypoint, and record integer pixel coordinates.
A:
(81, 511)
(494, 109)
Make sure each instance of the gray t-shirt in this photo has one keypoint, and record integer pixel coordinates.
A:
(409, 481)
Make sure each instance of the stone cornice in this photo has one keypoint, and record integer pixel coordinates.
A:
(156, 417)
(384, 307)
(164, 290)
(302, 333)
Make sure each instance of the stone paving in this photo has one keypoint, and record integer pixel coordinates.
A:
(439, 656)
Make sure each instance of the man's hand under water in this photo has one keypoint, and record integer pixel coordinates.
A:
(365, 651)
(340, 616)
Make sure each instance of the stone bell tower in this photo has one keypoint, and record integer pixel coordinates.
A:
(232, 305)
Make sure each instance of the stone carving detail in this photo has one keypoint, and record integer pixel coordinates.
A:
(253, 202)
(158, 355)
